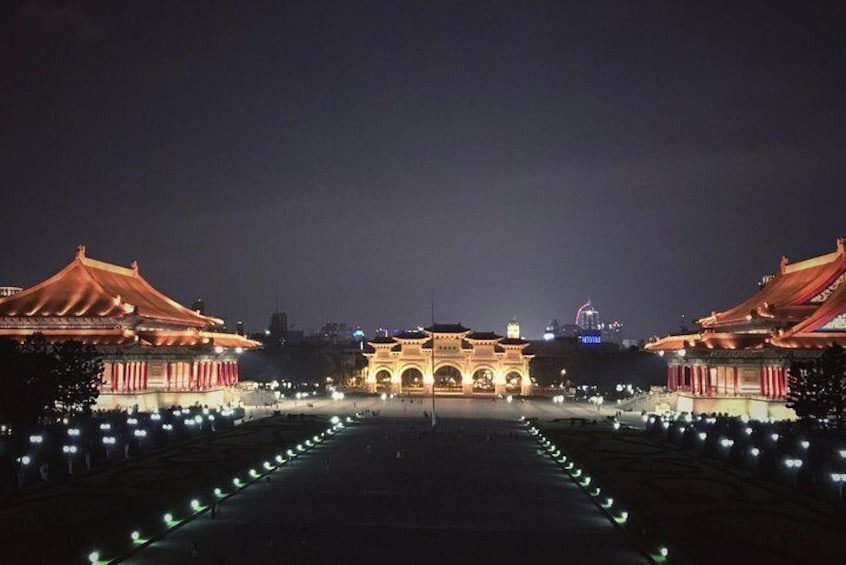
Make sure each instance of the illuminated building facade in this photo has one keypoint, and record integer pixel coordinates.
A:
(512, 329)
(737, 362)
(463, 362)
(156, 352)
(587, 317)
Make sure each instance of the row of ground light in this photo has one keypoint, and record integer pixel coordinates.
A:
(171, 520)
(611, 508)
(812, 461)
(70, 446)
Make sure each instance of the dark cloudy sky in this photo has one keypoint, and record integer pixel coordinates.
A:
(345, 157)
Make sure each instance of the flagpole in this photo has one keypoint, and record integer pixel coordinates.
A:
(433, 357)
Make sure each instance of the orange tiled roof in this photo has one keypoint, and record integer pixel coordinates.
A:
(115, 336)
(709, 340)
(87, 287)
(191, 337)
(787, 297)
(825, 326)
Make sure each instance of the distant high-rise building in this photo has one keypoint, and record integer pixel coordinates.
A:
(512, 329)
(587, 317)
(279, 324)
(612, 332)
(334, 332)
(552, 330)
(199, 306)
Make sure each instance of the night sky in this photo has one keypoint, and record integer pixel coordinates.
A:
(343, 158)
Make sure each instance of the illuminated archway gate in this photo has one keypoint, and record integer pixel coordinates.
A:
(462, 353)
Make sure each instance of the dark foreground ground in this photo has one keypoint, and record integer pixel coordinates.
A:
(61, 523)
(474, 491)
(706, 510)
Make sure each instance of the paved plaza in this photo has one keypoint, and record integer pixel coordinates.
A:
(472, 490)
(455, 407)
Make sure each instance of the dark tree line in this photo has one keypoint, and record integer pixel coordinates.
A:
(817, 388)
(43, 382)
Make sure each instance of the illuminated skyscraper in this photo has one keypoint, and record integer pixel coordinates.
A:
(587, 317)
(512, 330)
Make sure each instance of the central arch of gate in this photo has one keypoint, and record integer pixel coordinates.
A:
(450, 359)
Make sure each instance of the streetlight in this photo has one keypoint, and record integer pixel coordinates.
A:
(69, 451)
(794, 465)
(840, 480)
(108, 442)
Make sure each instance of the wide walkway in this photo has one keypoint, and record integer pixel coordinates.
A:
(452, 407)
(473, 491)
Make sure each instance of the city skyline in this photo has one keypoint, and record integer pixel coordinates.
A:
(343, 160)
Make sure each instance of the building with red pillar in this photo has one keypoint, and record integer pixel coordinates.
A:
(156, 352)
(737, 362)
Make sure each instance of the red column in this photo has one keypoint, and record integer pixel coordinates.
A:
(780, 381)
(784, 382)
(770, 391)
(146, 375)
(234, 372)
(736, 376)
(763, 381)
(773, 390)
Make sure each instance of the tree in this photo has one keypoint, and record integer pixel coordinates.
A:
(43, 381)
(79, 375)
(817, 387)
